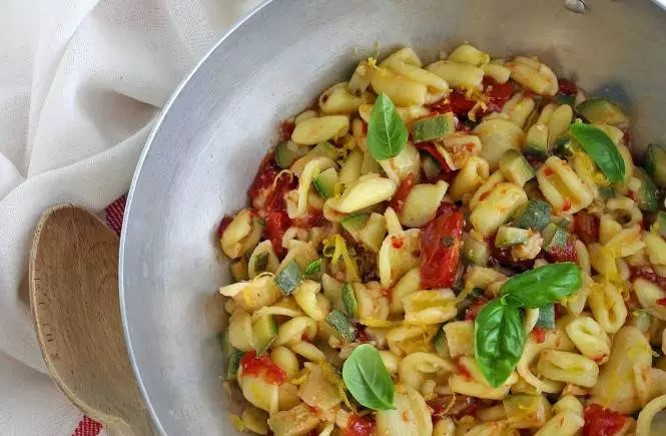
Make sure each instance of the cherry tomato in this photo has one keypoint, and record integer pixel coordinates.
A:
(586, 227)
(441, 241)
(600, 421)
(261, 366)
(277, 223)
(358, 426)
(398, 200)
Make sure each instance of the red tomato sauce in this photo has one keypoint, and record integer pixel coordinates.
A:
(647, 273)
(261, 366)
(563, 254)
(398, 200)
(497, 93)
(586, 227)
(277, 223)
(314, 218)
(539, 334)
(473, 311)
(358, 426)
(463, 371)
(600, 421)
(266, 173)
(223, 225)
(441, 241)
(286, 129)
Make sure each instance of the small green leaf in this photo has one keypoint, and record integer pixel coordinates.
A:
(387, 134)
(541, 286)
(499, 340)
(600, 148)
(313, 267)
(367, 379)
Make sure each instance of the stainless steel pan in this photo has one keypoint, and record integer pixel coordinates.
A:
(203, 153)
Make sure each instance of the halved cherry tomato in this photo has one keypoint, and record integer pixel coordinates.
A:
(498, 94)
(567, 253)
(398, 200)
(441, 241)
(600, 421)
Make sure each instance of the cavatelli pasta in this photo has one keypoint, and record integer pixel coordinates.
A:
(358, 235)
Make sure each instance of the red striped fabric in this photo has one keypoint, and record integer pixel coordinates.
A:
(87, 427)
(114, 219)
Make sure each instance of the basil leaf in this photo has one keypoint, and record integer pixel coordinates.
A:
(387, 134)
(367, 379)
(541, 286)
(600, 148)
(499, 340)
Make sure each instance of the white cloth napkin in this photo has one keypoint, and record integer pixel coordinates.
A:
(80, 84)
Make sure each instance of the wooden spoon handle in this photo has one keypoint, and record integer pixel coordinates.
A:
(75, 305)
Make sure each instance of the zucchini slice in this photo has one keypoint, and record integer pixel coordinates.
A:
(289, 278)
(342, 324)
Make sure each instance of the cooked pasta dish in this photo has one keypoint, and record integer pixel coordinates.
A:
(460, 248)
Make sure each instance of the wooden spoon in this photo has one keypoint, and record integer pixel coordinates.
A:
(74, 300)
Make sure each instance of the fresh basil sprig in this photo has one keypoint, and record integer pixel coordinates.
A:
(499, 332)
(541, 286)
(387, 134)
(601, 149)
(367, 379)
(499, 328)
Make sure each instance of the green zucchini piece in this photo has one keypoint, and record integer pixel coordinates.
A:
(289, 278)
(546, 318)
(233, 355)
(475, 251)
(355, 223)
(325, 182)
(647, 197)
(287, 152)
(314, 267)
(431, 128)
(565, 146)
(516, 168)
(439, 342)
(508, 236)
(431, 167)
(349, 300)
(534, 215)
(602, 111)
(606, 192)
(655, 164)
(555, 238)
(264, 331)
(536, 142)
(660, 223)
(342, 324)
